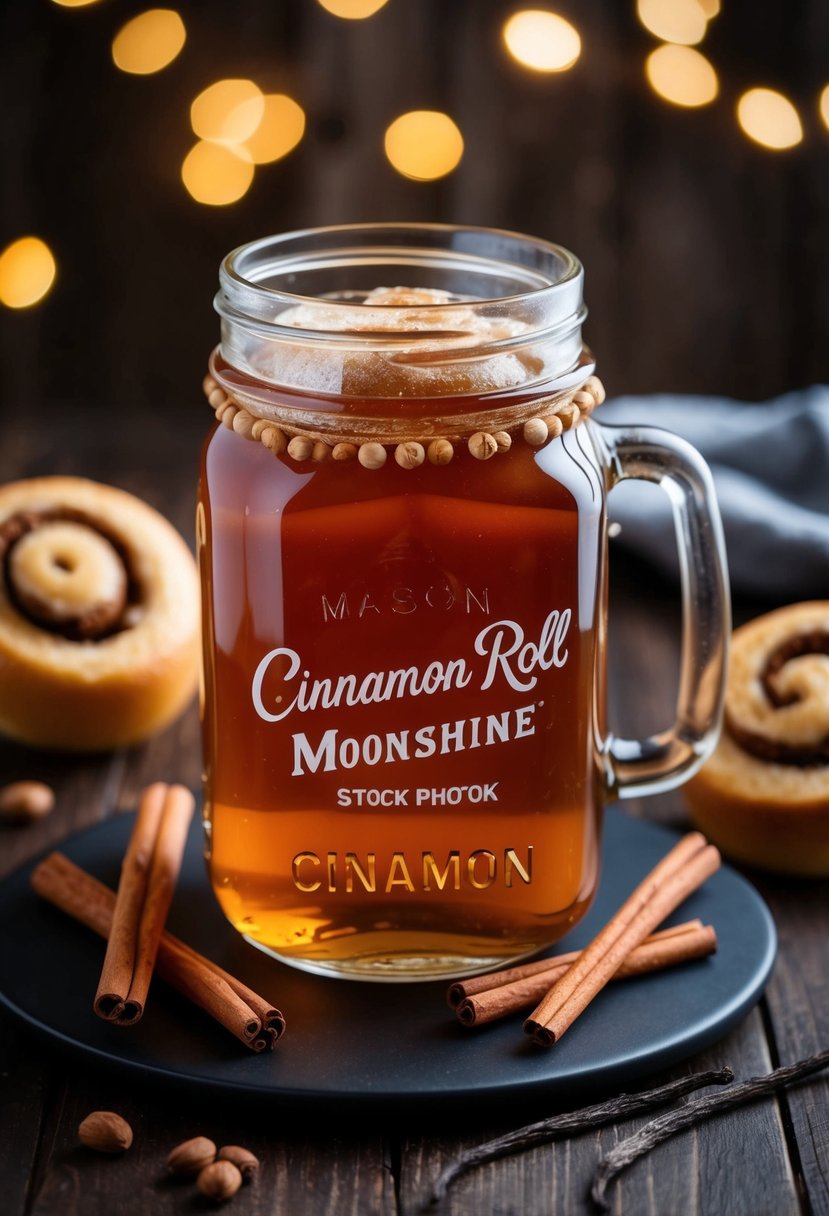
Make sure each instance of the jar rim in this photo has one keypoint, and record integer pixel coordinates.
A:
(304, 310)
(246, 274)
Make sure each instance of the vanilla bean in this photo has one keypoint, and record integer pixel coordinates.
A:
(573, 1122)
(664, 1126)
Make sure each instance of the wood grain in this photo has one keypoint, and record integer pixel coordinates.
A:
(767, 1160)
(707, 264)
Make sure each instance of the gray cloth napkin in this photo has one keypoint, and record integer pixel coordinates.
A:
(771, 468)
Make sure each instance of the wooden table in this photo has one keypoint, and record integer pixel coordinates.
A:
(771, 1159)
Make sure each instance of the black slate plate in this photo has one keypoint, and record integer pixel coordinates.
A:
(379, 1043)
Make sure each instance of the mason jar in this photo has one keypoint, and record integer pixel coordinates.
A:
(402, 534)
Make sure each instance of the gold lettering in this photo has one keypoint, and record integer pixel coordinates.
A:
(511, 863)
(431, 871)
(491, 865)
(296, 863)
(361, 871)
(352, 867)
(398, 866)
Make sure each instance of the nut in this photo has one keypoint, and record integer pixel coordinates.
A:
(569, 415)
(300, 447)
(242, 1158)
(482, 445)
(584, 401)
(504, 440)
(440, 451)
(192, 1156)
(536, 432)
(105, 1132)
(273, 439)
(594, 386)
(26, 801)
(344, 451)
(409, 455)
(243, 424)
(219, 1181)
(372, 455)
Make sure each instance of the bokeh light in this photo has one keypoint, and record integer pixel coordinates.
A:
(27, 271)
(424, 144)
(682, 21)
(769, 119)
(823, 105)
(149, 42)
(74, 3)
(542, 40)
(280, 128)
(216, 175)
(711, 8)
(353, 10)
(227, 112)
(681, 75)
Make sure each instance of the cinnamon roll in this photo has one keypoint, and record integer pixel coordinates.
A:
(98, 616)
(763, 796)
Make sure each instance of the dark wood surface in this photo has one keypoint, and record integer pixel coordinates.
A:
(767, 1160)
(707, 265)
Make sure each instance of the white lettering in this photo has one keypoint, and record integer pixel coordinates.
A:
(332, 751)
(504, 639)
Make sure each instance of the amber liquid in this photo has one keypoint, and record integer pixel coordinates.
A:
(437, 825)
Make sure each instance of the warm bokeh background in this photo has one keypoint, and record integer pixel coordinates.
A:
(706, 253)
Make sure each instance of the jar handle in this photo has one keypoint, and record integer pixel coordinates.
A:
(663, 761)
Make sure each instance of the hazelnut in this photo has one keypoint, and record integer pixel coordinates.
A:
(243, 424)
(440, 451)
(595, 388)
(536, 432)
(569, 415)
(482, 445)
(300, 447)
(372, 455)
(409, 455)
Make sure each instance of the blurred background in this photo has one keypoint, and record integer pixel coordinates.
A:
(679, 147)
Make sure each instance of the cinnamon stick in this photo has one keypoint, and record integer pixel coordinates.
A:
(681, 872)
(460, 990)
(148, 879)
(244, 1013)
(678, 944)
(119, 961)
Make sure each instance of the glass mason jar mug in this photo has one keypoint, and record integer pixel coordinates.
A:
(402, 540)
